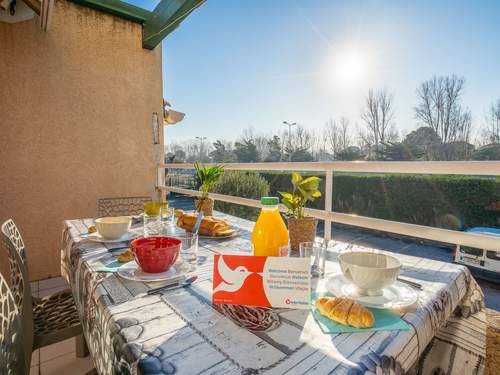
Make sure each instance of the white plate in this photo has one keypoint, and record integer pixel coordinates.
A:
(234, 234)
(394, 296)
(96, 237)
(132, 271)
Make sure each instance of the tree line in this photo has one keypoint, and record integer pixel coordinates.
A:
(444, 131)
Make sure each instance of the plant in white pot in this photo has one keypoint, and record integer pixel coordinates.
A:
(301, 227)
(206, 177)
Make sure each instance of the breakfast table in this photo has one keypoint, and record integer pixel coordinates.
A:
(179, 331)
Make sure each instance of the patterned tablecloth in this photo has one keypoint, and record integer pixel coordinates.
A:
(179, 331)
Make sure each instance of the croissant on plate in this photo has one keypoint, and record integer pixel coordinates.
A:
(345, 311)
(209, 226)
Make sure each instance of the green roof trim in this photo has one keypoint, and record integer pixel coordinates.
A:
(118, 8)
(156, 25)
(165, 18)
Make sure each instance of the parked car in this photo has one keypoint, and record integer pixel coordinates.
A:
(483, 263)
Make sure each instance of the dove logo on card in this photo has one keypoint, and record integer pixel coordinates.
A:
(238, 280)
(232, 280)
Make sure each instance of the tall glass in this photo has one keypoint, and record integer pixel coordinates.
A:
(316, 252)
(189, 248)
(152, 218)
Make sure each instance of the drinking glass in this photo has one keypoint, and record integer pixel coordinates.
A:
(152, 219)
(167, 216)
(189, 247)
(316, 252)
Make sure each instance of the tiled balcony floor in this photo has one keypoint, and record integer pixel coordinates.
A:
(60, 358)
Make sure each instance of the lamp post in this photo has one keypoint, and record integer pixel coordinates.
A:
(201, 139)
(289, 124)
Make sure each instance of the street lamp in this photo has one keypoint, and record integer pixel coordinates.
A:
(290, 124)
(201, 139)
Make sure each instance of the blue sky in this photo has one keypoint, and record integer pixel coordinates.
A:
(238, 64)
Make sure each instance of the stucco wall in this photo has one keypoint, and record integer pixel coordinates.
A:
(75, 122)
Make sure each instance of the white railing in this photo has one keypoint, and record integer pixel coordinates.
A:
(474, 168)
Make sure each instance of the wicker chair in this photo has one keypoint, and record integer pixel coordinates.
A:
(12, 355)
(121, 206)
(46, 320)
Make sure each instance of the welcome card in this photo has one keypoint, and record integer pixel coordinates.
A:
(261, 281)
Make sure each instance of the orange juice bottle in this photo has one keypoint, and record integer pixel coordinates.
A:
(270, 232)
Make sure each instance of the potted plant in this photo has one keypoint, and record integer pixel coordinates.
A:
(206, 176)
(301, 227)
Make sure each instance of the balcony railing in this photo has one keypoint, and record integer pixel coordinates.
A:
(471, 168)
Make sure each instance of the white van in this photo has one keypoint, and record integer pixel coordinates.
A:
(487, 261)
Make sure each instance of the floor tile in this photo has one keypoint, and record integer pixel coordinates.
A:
(53, 282)
(56, 350)
(46, 292)
(35, 358)
(67, 364)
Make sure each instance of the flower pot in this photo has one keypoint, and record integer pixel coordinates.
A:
(301, 230)
(207, 206)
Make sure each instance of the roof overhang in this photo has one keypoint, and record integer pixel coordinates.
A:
(157, 24)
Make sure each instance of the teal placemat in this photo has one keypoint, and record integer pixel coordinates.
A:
(385, 320)
(110, 267)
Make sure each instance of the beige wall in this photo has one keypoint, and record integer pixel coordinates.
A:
(75, 122)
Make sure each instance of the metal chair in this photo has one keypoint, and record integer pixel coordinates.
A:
(121, 206)
(12, 355)
(46, 320)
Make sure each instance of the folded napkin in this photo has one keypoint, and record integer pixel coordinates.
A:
(385, 320)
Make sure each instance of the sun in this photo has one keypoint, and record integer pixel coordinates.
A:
(349, 68)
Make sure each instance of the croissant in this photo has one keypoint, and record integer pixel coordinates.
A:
(345, 311)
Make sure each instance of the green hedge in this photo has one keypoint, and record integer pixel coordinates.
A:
(240, 184)
(453, 202)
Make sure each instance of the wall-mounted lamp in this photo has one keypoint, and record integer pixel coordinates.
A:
(170, 116)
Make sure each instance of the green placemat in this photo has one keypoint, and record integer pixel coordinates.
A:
(385, 320)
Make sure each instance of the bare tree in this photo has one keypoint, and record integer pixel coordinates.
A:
(336, 135)
(440, 107)
(491, 130)
(378, 116)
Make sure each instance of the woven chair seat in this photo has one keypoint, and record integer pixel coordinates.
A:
(55, 318)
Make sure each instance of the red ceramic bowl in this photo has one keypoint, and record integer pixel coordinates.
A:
(156, 254)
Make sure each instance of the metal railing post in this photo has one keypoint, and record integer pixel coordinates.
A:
(160, 181)
(328, 202)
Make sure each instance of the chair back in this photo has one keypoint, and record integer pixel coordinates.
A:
(19, 282)
(121, 206)
(12, 355)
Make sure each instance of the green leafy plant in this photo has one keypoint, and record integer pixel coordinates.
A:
(304, 190)
(206, 177)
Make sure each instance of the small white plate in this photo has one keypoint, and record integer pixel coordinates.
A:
(96, 237)
(233, 235)
(395, 296)
(132, 271)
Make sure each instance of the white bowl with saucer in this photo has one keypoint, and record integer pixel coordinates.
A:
(113, 228)
(369, 272)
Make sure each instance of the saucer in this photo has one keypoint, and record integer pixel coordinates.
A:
(96, 237)
(132, 271)
(394, 296)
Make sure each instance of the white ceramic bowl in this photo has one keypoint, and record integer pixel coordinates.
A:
(370, 272)
(112, 228)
